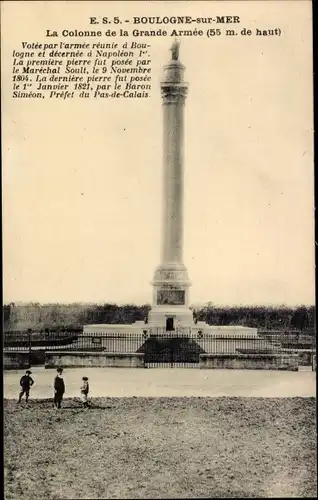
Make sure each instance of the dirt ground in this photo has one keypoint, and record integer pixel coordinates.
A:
(186, 447)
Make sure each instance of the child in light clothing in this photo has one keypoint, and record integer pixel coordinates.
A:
(84, 391)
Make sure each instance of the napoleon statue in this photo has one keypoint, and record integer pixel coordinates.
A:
(175, 50)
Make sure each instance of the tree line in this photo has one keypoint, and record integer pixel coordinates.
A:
(37, 316)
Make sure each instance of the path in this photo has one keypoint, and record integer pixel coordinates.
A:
(168, 382)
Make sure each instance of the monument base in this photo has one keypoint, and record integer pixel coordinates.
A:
(156, 326)
(170, 318)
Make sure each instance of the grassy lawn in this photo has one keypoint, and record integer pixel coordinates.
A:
(161, 448)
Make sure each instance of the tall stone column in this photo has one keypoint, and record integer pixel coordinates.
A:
(170, 305)
(173, 131)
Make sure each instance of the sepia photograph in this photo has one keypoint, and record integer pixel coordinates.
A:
(159, 318)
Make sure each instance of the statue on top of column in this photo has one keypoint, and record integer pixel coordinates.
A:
(175, 50)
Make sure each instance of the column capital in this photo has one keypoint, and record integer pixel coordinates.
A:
(172, 92)
(173, 88)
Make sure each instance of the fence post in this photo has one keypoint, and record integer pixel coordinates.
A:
(30, 346)
(313, 353)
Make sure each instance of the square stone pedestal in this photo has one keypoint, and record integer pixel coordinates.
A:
(169, 318)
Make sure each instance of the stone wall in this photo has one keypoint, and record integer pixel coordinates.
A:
(250, 361)
(18, 360)
(73, 359)
(305, 357)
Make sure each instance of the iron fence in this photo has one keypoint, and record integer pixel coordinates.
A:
(157, 342)
(20, 340)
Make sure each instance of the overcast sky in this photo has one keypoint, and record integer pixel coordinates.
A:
(82, 199)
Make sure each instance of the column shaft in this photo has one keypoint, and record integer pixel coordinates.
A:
(172, 241)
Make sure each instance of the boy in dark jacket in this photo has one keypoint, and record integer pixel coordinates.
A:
(59, 388)
(26, 383)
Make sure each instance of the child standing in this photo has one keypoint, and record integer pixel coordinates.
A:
(84, 391)
(26, 383)
(59, 388)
